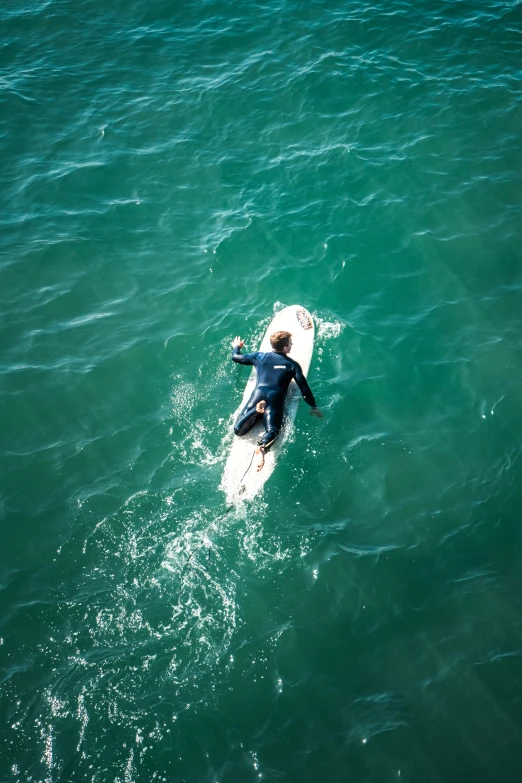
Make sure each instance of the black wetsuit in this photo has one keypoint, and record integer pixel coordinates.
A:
(274, 373)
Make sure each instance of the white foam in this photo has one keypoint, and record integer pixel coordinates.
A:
(328, 330)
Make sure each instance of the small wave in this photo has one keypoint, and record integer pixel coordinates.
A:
(85, 319)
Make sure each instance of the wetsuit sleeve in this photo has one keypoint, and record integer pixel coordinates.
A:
(240, 358)
(304, 387)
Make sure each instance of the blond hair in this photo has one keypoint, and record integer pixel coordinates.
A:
(280, 340)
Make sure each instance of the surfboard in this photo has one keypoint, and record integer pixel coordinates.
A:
(241, 480)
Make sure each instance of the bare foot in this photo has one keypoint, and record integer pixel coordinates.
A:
(260, 407)
(260, 457)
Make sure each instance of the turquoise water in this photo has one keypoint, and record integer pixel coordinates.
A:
(172, 175)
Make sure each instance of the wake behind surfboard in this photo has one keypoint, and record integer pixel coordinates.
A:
(240, 479)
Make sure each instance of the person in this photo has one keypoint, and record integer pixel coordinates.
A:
(274, 372)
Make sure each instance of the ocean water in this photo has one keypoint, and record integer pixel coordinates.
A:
(171, 175)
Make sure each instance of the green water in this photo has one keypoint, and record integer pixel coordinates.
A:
(172, 175)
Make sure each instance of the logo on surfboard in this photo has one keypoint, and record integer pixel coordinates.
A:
(304, 319)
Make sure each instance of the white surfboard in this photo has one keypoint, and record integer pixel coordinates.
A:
(241, 482)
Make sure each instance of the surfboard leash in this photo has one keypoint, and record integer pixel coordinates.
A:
(214, 521)
(246, 471)
(202, 542)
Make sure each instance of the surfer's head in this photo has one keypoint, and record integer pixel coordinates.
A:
(281, 341)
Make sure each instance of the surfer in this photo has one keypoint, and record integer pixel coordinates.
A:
(274, 372)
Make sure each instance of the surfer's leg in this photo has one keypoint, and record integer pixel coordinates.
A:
(272, 420)
(254, 408)
(260, 457)
(245, 422)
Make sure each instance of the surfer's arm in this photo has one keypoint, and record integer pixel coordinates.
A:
(304, 387)
(242, 358)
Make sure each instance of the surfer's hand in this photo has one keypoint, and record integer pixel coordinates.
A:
(316, 412)
(237, 342)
